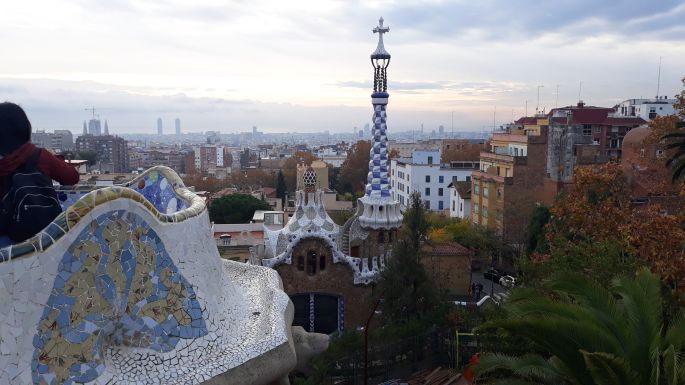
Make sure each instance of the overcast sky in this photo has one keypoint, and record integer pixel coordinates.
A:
(304, 66)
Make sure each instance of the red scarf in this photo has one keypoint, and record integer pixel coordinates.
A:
(11, 162)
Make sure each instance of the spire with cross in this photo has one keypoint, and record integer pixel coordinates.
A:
(378, 208)
(380, 52)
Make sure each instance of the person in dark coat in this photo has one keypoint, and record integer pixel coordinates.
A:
(16, 148)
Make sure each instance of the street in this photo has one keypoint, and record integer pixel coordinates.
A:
(487, 284)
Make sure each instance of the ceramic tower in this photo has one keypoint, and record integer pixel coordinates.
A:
(377, 209)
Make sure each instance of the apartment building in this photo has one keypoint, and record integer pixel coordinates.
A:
(510, 181)
(424, 174)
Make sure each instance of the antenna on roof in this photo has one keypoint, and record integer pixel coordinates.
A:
(658, 79)
(537, 106)
(556, 100)
(580, 88)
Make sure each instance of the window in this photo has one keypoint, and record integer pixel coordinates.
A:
(390, 236)
(430, 160)
(440, 191)
(454, 205)
(311, 262)
(476, 208)
(322, 262)
(485, 191)
(598, 130)
(427, 205)
(440, 205)
(499, 171)
(485, 211)
(441, 179)
(587, 129)
(476, 189)
(428, 178)
(381, 238)
(428, 191)
(468, 178)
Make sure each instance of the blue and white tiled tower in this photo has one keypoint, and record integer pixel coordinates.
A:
(377, 209)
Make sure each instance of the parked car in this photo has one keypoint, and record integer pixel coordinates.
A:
(492, 274)
(507, 281)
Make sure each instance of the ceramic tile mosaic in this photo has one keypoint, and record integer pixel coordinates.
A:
(312, 221)
(116, 292)
(170, 201)
(116, 284)
(159, 190)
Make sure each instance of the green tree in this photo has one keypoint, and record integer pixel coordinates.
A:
(415, 222)
(677, 160)
(404, 284)
(535, 236)
(235, 208)
(90, 156)
(585, 334)
(281, 188)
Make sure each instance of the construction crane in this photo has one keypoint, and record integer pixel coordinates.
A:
(92, 110)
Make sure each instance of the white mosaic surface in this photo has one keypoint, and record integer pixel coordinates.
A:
(243, 308)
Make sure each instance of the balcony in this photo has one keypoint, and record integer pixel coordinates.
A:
(510, 138)
(503, 158)
(491, 177)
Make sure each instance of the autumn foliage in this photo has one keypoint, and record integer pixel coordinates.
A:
(597, 213)
(354, 170)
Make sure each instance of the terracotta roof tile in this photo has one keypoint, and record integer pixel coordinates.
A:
(450, 248)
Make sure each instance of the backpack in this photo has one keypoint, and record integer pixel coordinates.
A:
(30, 203)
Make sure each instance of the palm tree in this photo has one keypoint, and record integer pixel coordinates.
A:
(591, 335)
(677, 160)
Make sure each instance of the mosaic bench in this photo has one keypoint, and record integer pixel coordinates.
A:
(126, 286)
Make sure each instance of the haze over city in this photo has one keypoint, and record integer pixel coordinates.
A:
(304, 66)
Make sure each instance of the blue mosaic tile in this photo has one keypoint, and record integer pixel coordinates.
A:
(108, 262)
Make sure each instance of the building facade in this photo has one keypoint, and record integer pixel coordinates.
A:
(509, 183)
(57, 141)
(423, 173)
(647, 109)
(211, 160)
(112, 151)
(582, 135)
(460, 199)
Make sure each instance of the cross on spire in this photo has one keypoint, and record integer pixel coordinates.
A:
(380, 51)
(380, 29)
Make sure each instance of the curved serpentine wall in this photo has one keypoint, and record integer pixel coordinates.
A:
(127, 287)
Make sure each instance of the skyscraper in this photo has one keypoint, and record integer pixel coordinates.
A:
(85, 128)
(160, 129)
(177, 123)
(94, 127)
(106, 128)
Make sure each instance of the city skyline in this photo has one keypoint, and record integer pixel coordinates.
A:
(304, 67)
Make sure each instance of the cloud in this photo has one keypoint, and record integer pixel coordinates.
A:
(458, 87)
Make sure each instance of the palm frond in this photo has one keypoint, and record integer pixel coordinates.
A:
(607, 369)
(530, 367)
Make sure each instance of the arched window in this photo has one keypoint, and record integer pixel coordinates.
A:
(322, 262)
(311, 262)
(390, 236)
(381, 237)
(300, 263)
